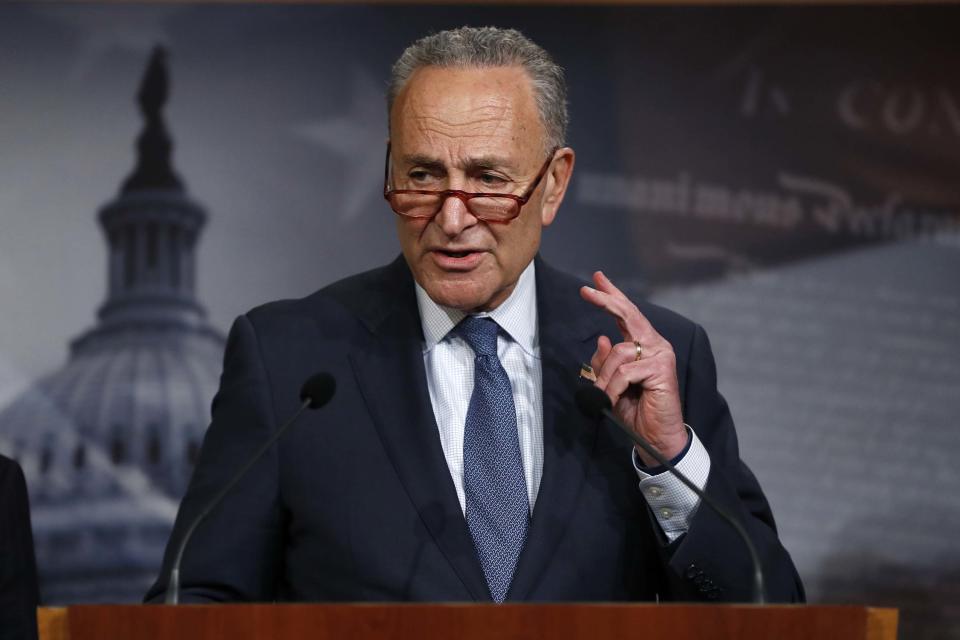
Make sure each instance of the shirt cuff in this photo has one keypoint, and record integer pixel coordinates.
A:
(673, 503)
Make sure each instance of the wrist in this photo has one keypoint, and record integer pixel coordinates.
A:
(671, 449)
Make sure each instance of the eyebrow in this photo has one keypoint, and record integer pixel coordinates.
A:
(482, 162)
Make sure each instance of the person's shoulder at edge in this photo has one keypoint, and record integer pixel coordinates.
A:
(7, 466)
(12, 478)
(19, 596)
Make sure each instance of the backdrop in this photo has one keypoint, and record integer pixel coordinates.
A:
(787, 177)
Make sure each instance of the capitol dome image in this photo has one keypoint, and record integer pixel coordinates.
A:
(108, 441)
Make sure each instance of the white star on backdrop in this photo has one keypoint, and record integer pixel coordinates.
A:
(110, 28)
(359, 137)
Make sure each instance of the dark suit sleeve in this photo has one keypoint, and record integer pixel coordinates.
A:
(18, 571)
(711, 558)
(235, 554)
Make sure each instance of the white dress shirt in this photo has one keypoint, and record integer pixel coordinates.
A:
(448, 360)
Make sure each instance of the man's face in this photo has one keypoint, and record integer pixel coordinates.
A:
(476, 130)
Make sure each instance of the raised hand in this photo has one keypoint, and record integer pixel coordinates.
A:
(639, 374)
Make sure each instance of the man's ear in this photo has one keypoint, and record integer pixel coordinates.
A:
(557, 180)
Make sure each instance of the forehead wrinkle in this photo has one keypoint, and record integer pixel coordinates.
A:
(485, 127)
(463, 128)
(491, 112)
(493, 108)
(474, 148)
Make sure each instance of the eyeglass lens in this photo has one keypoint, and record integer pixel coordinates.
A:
(427, 205)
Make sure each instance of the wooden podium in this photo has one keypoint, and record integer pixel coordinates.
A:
(467, 622)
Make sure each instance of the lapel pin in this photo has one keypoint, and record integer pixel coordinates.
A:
(586, 373)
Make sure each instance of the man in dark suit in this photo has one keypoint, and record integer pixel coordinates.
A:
(452, 464)
(18, 569)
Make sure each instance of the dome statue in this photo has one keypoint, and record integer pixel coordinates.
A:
(108, 441)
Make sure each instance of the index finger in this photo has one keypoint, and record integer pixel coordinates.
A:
(633, 325)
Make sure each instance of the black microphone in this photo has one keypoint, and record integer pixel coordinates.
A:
(315, 392)
(594, 403)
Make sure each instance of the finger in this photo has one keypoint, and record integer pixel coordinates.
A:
(605, 294)
(647, 374)
(619, 355)
(604, 346)
(615, 307)
(606, 285)
(632, 323)
(631, 374)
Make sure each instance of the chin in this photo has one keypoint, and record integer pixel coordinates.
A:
(459, 295)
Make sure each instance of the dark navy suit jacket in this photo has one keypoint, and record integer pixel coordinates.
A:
(18, 568)
(356, 502)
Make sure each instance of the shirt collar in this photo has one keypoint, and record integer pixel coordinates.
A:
(517, 315)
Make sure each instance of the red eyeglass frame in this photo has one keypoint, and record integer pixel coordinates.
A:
(463, 196)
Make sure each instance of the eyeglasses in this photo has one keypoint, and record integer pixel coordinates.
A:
(489, 207)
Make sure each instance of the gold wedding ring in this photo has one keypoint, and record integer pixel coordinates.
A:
(639, 350)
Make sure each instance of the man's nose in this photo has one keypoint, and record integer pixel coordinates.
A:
(454, 216)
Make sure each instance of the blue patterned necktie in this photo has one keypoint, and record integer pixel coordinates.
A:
(497, 509)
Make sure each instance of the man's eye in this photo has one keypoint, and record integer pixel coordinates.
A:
(421, 179)
(492, 180)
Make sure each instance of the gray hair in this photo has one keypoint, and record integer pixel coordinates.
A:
(491, 47)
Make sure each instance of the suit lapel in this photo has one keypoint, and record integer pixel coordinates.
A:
(568, 331)
(390, 375)
(391, 378)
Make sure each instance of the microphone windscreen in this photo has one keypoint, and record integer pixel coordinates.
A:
(592, 401)
(318, 389)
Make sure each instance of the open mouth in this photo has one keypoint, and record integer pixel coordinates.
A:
(456, 254)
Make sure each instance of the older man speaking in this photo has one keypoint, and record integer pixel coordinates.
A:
(452, 464)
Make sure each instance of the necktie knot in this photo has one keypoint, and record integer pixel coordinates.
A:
(480, 334)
